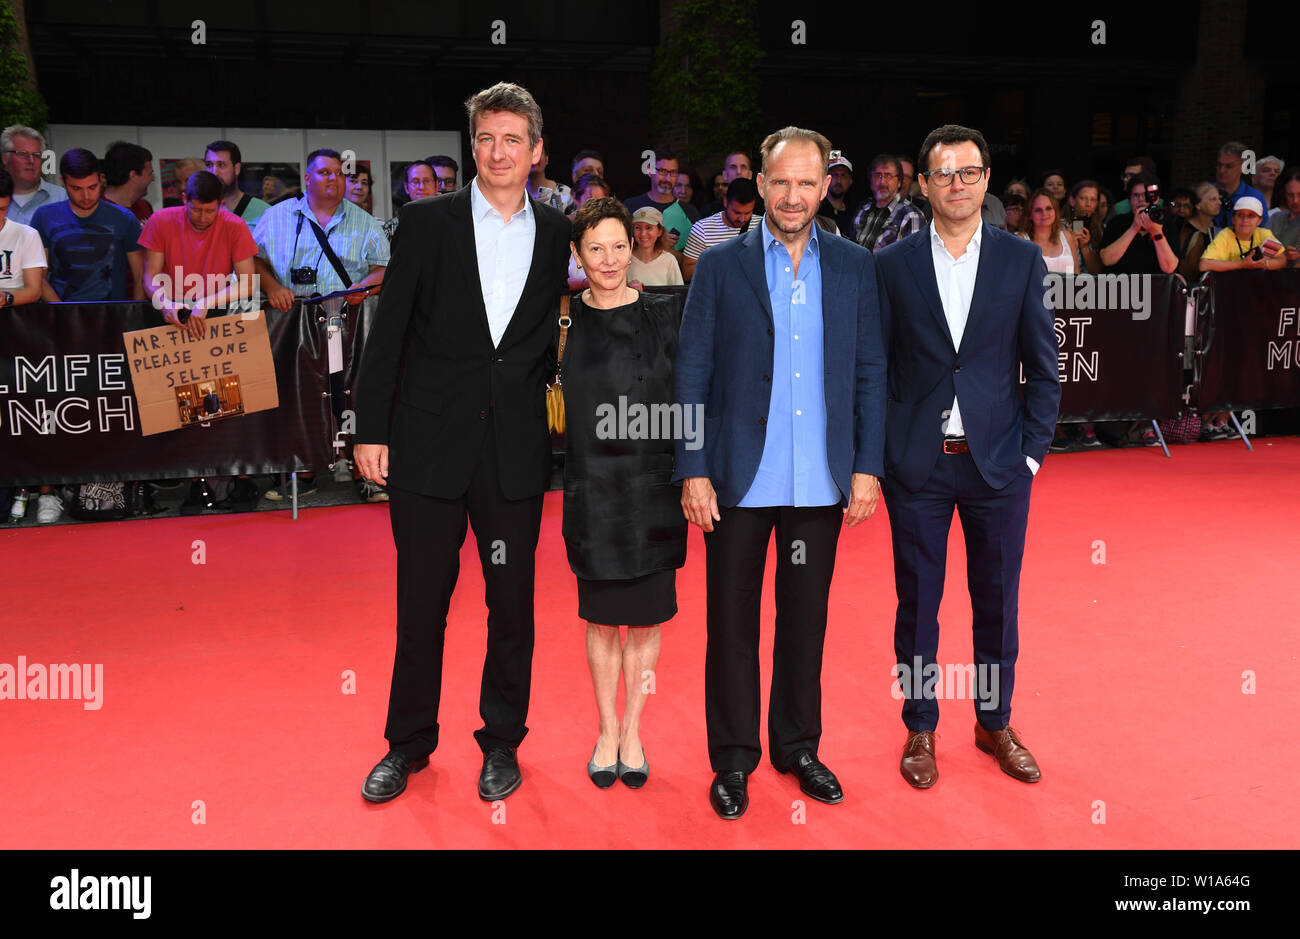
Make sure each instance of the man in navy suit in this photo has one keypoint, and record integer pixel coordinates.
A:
(780, 348)
(963, 317)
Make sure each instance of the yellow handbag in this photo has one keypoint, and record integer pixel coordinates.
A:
(554, 391)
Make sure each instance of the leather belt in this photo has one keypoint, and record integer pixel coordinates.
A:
(955, 445)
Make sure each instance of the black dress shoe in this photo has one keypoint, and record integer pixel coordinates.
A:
(729, 794)
(388, 779)
(814, 778)
(500, 775)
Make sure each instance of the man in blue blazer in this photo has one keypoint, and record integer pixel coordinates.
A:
(964, 318)
(780, 350)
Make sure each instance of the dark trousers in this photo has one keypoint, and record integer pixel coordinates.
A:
(428, 533)
(736, 554)
(993, 522)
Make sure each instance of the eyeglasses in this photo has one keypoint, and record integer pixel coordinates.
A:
(969, 175)
(24, 154)
(884, 176)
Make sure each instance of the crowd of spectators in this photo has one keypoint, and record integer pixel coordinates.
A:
(92, 235)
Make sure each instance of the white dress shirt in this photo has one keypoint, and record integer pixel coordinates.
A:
(955, 278)
(505, 255)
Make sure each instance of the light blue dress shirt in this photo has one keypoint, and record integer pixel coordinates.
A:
(794, 469)
(356, 237)
(45, 194)
(505, 255)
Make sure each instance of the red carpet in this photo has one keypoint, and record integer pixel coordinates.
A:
(223, 685)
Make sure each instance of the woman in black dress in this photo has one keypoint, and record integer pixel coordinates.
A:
(623, 523)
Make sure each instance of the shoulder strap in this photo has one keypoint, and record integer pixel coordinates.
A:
(565, 321)
(329, 253)
(242, 207)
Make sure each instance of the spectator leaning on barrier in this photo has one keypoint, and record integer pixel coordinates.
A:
(1227, 173)
(91, 244)
(1132, 242)
(293, 261)
(1285, 222)
(128, 172)
(736, 216)
(23, 149)
(291, 258)
(420, 182)
(223, 160)
(191, 251)
(22, 256)
(1244, 245)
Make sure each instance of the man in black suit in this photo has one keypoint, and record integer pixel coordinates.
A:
(467, 311)
(964, 317)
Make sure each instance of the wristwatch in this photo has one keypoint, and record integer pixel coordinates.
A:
(9, 299)
(1157, 237)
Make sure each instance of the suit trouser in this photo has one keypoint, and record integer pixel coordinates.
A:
(736, 554)
(993, 522)
(428, 533)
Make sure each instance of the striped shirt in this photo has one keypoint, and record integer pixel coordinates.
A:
(710, 231)
(353, 233)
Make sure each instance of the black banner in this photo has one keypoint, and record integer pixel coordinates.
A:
(1119, 339)
(1249, 341)
(68, 412)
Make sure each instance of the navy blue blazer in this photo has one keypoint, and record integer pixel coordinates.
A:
(1010, 328)
(725, 355)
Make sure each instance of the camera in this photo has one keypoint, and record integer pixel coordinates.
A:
(303, 275)
(1154, 211)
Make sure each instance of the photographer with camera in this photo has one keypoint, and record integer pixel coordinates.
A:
(319, 243)
(1134, 242)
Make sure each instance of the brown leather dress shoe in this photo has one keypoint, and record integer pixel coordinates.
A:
(1010, 753)
(918, 766)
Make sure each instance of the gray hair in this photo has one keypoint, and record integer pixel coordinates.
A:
(19, 130)
(504, 96)
(785, 135)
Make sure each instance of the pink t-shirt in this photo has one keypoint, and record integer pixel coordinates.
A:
(190, 258)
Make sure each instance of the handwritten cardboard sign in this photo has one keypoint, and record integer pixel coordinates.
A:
(180, 381)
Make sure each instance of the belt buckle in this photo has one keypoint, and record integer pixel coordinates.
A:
(955, 445)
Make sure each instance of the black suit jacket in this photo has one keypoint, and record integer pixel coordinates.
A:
(431, 324)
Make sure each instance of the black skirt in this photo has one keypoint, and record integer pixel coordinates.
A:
(642, 601)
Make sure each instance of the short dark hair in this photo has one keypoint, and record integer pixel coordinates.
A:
(203, 186)
(585, 155)
(666, 153)
(1014, 199)
(332, 154)
(406, 173)
(1148, 165)
(78, 163)
(740, 191)
(950, 134)
(226, 146)
(6, 184)
(440, 160)
(586, 181)
(1143, 179)
(1048, 174)
(1182, 192)
(360, 170)
(121, 160)
(595, 211)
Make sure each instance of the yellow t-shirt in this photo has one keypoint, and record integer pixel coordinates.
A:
(1227, 247)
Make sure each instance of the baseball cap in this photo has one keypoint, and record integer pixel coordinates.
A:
(838, 159)
(1249, 204)
(648, 215)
